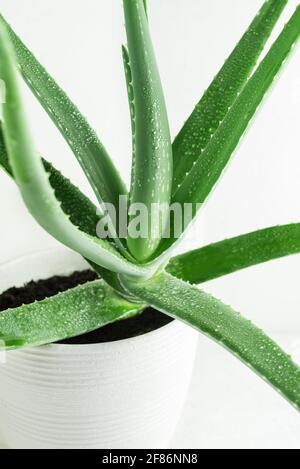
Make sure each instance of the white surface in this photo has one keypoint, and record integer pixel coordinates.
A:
(79, 42)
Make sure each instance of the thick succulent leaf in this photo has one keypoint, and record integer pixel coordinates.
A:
(152, 171)
(207, 170)
(4, 163)
(81, 211)
(69, 314)
(95, 161)
(238, 253)
(33, 181)
(91, 154)
(146, 7)
(130, 92)
(187, 303)
(9, 343)
(131, 102)
(213, 107)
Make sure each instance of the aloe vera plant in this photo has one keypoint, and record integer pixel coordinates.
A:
(138, 271)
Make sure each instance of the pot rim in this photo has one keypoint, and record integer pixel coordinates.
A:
(61, 250)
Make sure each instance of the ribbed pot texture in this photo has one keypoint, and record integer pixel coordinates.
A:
(124, 394)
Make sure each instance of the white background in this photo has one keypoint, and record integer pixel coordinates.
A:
(79, 43)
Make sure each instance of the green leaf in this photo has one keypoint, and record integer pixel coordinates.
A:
(130, 94)
(81, 211)
(152, 169)
(10, 343)
(238, 253)
(33, 181)
(146, 7)
(213, 107)
(91, 154)
(208, 169)
(4, 163)
(228, 328)
(69, 314)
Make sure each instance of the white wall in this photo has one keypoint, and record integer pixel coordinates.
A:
(79, 43)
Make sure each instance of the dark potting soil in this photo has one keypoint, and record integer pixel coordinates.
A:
(149, 321)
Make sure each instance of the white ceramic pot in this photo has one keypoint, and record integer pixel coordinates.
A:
(124, 394)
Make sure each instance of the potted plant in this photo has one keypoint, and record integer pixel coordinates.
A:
(116, 385)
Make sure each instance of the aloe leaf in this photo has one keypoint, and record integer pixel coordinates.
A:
(10, 343)
(81, 211)
(33, 181)
(4, 163)
(208, 169)
(146, 7)
(91, 154)
(221, 94)
(152, 171)
(69, 314)
(130, 94)
(228, 328)
(232, 255)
